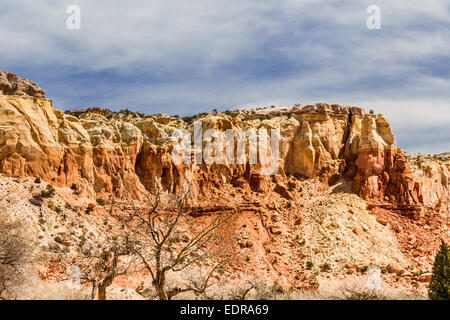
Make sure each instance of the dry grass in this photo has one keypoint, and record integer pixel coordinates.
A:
(352, 288)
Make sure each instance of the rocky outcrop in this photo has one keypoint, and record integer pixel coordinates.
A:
(12, 85)
(105, 152)
(382, 171)
(433, 175)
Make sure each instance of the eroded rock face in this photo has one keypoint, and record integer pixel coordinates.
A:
(12, 85)
(126, 153)
(433, 175)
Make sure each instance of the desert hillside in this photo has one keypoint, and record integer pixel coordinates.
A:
(344, 197)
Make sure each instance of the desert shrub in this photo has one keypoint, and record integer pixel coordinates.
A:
(48, 192)
(439, 288)
(365, 295)
(58, 239)
(100, 201)
(244, 287)
(188, 119)
(74, 186)
(309, 265)
(59, 291)
(326, 267)
(36, 200)
(417, 273)
(355, 287)
(37, 180)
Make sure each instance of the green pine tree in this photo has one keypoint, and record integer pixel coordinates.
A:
(439, 288)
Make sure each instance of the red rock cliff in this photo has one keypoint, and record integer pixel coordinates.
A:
(105, 152)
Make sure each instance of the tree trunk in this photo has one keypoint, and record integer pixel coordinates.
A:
(160, 280)
(94, 286)
(102, 292)
(161, 293)
(108, 280)
(103, 285)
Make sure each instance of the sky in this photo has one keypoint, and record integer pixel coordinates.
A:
(189, 56)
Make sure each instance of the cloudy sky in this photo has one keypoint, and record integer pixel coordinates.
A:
(188, 56)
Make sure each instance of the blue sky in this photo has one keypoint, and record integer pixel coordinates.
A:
(184, 57)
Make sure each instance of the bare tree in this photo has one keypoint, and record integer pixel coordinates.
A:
(101, 267)
(158, 235)
(247, 286)
(15, 254)
(241, 288)
(100, 263)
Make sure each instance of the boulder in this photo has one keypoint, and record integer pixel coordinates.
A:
(283, 191)
(425, 277)
(394, 267)
(358, 231)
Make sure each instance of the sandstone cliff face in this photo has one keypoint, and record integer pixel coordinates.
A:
(118, 153)
(433, 176)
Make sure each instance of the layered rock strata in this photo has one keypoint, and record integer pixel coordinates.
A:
(116, 153)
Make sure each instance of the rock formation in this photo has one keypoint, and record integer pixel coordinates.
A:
(345, 197)
(12, 85)
(106, 152)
